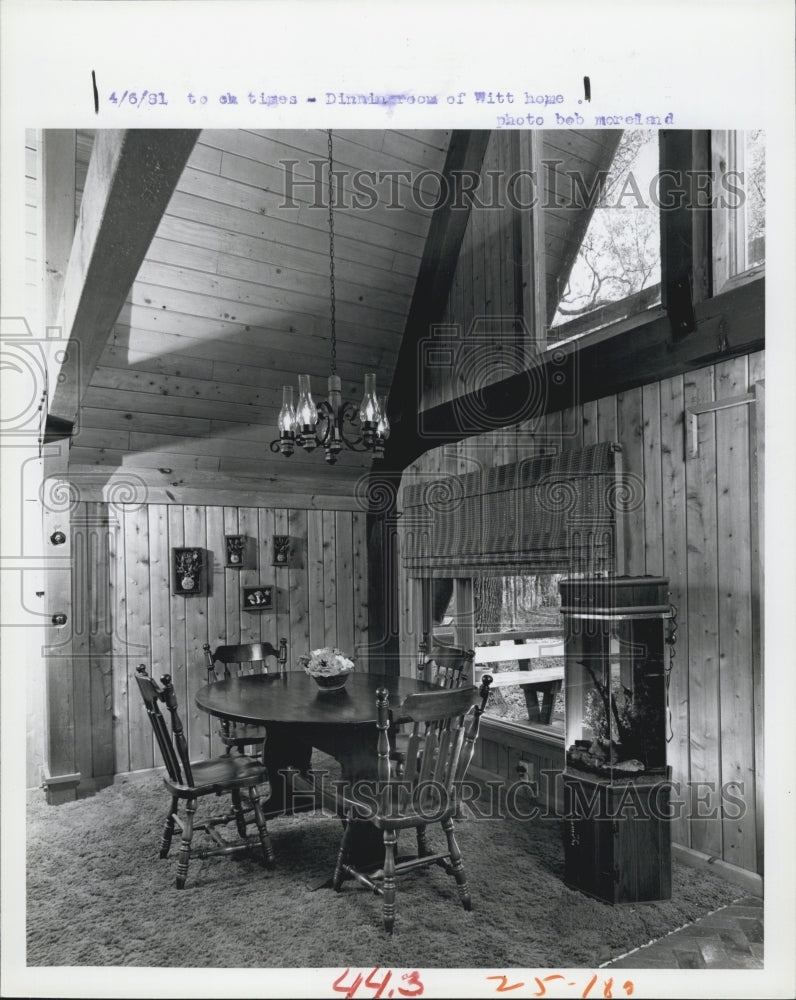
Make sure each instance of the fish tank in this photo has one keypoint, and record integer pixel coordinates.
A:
(615, 677)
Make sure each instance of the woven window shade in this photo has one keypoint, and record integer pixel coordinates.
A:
(550, 513)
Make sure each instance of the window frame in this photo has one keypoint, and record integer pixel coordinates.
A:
(686, 235)
(726, 239)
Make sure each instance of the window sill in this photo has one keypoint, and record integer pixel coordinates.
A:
(641, 321)
(514, 733)
(634, 322)
(744, 278)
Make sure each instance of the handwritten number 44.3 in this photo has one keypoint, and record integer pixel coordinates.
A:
(413, 986)
(504, 986)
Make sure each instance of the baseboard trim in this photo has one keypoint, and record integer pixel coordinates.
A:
(751, 882)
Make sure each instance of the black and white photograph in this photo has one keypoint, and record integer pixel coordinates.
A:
(461, 376)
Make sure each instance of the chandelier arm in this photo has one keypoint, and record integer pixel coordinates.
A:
(326, 421)
(349, 414)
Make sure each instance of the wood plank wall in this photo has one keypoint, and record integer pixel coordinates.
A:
(691, 520)
(693, 524)
(125, 613)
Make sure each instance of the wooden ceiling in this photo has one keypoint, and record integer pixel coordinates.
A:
(232, 301)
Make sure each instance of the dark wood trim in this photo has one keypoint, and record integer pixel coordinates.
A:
(432, 288)
(434, 278)
(130, 180)
(728, 325)
(702, 218)
(676, 230)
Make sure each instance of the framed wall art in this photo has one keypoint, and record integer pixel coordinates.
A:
(235, 550)
(258, 598)
(189, 572)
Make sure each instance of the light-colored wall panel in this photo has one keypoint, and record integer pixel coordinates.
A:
(125, 613)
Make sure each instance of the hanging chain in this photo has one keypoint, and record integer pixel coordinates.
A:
(331, 256)
(671, 640)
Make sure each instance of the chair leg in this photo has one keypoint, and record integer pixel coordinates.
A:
(185, 845)
(456, 864)
(262, 829)
(168, 829)
(422, 844)
(388, 905)
(240, 819)
(337, 878)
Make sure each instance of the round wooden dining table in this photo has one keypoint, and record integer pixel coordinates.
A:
(298, 716)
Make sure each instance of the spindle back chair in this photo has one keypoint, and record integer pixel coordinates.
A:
(255, 655)
(191, 780)
(445, 727)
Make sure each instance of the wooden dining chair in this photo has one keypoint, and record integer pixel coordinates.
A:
(446, 666)
(191, 781)
(254, 656)
(445, 727)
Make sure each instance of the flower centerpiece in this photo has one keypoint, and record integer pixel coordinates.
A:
(328, 667)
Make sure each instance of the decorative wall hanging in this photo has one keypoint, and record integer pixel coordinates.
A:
(258, 598)
(188, 572)
(281, 550)
(236, 545)
(332, 423)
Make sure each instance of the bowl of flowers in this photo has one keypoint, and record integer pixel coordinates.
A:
(328, 667)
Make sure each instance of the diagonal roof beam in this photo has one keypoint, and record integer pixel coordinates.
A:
(130, 180)
(435, 275)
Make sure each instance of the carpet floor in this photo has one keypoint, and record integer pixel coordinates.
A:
(97, 894)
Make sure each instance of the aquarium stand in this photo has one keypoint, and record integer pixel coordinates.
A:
(617, 841)
(617, 838)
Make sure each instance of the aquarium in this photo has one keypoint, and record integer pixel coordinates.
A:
(615, 677)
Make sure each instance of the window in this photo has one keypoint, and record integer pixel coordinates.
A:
(739, 213)
(602, 242)
(519, 632)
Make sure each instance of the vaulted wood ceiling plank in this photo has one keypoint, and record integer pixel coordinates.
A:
(304, 295)
(269, 321)
(130, 180)
(232, 247)
(238, 346)
(236, 220)
(366, 195)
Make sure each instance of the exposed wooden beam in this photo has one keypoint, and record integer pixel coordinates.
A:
(434, 277)
(728, 325)
(448, 225)
(131, 177)
(685, 226)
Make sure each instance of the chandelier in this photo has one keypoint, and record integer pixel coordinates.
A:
(332, 423)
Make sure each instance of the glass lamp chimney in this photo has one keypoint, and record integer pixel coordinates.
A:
(369, 409)
(287, 421)
(306, 414)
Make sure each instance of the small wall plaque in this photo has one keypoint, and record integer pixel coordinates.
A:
(188, 572)
(236, 545)
(281, 550)
(258, 598)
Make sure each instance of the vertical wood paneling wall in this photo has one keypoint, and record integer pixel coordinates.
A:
(125, 613)
(691, 519)
(693, 524)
